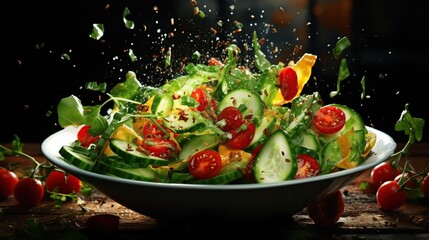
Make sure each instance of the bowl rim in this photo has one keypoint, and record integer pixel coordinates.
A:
(51, 145)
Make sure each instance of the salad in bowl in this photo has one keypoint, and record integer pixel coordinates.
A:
(222, 141)
(220, 123)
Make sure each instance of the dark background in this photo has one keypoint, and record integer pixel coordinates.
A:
(389, 47)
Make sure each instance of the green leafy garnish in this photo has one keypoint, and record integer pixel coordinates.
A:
(342, 74)
(362, 83)
(260, 61)
(97, 31)
(128, 24)
(132, 56)
(413, 127)
(168, 58)
(65, 56)
(340, 46)
(94, 86)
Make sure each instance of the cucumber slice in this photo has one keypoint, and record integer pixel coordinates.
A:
(260, 134)
(196, 144)
(221, 178)
(309, 141)
(162, 105)
(141, 174)
(77, 159)
(230, 172)
(253, 102)
(183, 119)
(276, 161)
(128, 151)
(108, 162)
(353, 119)
(181, 177)
(346, 149)
(119, 162)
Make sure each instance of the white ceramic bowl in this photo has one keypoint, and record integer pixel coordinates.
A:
(172, 201)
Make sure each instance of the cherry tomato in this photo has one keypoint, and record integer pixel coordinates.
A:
(151, 130)
(402, 178)
(214, 62)
(85, 138)
(329, 119)
(425, 186)
(307, 166)
(381, 173)
(390, 196)
(61, 182)
(8, 180)
(288, 80)
(205, 164)
(201, 97)
(327, 211)
(160, 147)
(242, 139)
(29, 192)
(233, 118)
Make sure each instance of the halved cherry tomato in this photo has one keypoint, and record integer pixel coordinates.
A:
(61, 182)
(242, 139)
(307, 166)
(8, 181)
(329, 119)
(205, 164)
(288, 80)
(85, 138)
(233, 118)
(201, 97)
(29, 192)
(160, 147)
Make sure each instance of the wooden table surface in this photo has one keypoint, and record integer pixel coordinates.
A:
(362, 218)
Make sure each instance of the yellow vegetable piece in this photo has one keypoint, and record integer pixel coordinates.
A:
(125, 133)
(229, 155)
(303, 71)
(370, 143)
(345, 147)
(139, 122)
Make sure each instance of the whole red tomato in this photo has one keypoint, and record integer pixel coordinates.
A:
(62, 182)
(29, 192)
(390, 196)
(327, 211)
(242, 139)
(381, 173)
(8, 181)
